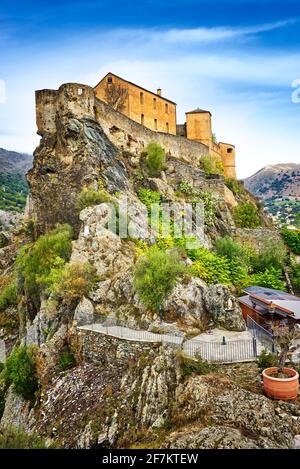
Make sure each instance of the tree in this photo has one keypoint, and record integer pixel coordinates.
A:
(284, 338)
(155, 276)
(116, 96)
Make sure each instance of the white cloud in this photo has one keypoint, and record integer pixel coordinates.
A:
(218, 34)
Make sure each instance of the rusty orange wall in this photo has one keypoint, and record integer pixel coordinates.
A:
(135, 108)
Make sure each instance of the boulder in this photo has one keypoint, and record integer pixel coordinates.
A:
(84, 312)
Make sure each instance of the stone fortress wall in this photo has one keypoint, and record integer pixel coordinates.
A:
(80, 101)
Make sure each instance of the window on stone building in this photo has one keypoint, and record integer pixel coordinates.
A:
(80, 91)
(167, 126)
(142, 98)
(154, 103)
(142, 119)
(155, 124)
(229, 150)
(166, 108)
(109, 80)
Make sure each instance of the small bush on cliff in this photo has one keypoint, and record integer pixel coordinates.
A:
(229, 248)
(211, 165)
(155, 159)
(73, 281)
(149, 197)
(89, 198)
(210, 267)
(295, 270)
(20, 371)
(246, 215)
(35, 263)
(8, 296)
(155, 276)
(292, 239)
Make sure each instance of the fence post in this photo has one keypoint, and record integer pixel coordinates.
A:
(224, 340)
(273, 347)
(254, 347)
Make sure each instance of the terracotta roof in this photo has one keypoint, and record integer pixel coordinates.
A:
(134, 84)
(198, 111)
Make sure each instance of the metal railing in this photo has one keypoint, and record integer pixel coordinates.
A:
(264, 336)
(222, 352)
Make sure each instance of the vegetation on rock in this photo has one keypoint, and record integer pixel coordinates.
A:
(20, 371)
(211, 165)
(36, 262)
(155, 159)
(246, 215)
(292, 239)
(89, 197)
(156, 274)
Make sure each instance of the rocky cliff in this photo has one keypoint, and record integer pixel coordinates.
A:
(93, 390)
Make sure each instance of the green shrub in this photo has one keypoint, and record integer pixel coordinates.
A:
(246, 215)
(89, 198)
(270, 278)
(155, 159)
(211, 165)
(267, 359)
(72, 281)
(35, 263)
(227, 247)
(15, 438)
(234, 185)
(210, 267)
(149, 197)
(272, 254)
(155, 275)
(190, 366)
(8, 296)
(292, 239)
(20, 371)
(295, 270)
(66, 361)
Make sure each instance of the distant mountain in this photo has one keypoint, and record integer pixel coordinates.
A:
(13, 184)
(13, 162)
(278, 186)
(278, 180)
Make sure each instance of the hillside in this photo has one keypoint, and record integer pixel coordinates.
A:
(13, 184)
(14, 162)
(278, 186)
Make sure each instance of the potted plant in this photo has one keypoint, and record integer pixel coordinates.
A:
(279, 381)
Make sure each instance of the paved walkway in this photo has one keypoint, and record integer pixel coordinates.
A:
(132, 334)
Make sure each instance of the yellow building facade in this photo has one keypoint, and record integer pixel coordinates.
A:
(149, 109)
(159, 114)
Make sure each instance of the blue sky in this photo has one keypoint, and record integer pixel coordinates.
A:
(236, 58)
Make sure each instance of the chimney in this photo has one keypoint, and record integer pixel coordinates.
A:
(159, 91)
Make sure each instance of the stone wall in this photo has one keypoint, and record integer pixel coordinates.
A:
(108, 350)
(80, 101)
(257, 237)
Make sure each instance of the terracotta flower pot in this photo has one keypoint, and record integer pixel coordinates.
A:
(281, 388)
